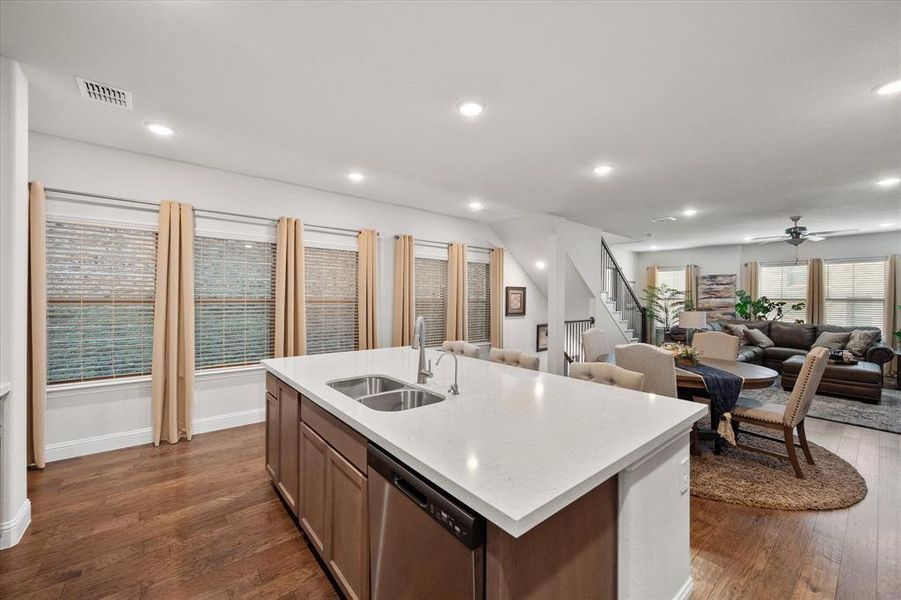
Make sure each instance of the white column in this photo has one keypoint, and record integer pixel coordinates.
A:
(556, 304)
(15, 509)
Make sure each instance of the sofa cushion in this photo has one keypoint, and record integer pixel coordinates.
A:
(834, 340)
(793, 335)
(750, 354)
(738, 330)
(777, 353)
(861, 339)
(759, 338)
(848, 329)
(862, 372)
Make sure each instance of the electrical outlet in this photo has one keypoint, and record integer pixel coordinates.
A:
(683, 474)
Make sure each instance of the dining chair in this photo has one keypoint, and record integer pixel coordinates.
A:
(608, 374)
(716, 344)
(514, 358)
(595, 346)
(788, 417)
(657, 366)
(461, 347)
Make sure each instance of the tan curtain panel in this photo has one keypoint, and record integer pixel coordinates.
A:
(172, 370)
(816, 291)
(496, 297)
(892, 300)
(290, 301)
(652, 276)
(749, 275)
(37, 323)
(691, 285)
(367, 259)
(404, 299)
(456, 292)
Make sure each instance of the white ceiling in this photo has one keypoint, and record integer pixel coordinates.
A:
(749, 112)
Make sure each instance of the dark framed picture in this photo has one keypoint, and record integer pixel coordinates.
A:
(516, 301)
(541, 338)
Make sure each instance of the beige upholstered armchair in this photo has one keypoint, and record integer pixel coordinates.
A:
(716, 344)
(607, 374)
(461, 347)
(788, 417)
(514, 358)
(657, 366)
(595, 346)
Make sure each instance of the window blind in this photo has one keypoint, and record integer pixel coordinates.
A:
(234, 301)
(100, 296)
(331, 289)
(785, 282)
(673, 277)
(855, 292)
(430, 289)
(478, 322)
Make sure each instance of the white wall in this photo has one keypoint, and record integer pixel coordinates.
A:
(15, 509)
(84, 419)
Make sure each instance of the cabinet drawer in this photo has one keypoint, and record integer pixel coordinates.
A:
(350, 444)
(271, 384)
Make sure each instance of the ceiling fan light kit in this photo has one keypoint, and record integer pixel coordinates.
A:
(797, 234)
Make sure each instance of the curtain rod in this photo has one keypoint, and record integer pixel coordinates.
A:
(435, 244)
(221, 213)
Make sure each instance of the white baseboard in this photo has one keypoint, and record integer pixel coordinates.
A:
(138, 437)
(685, 592)
(12, 531)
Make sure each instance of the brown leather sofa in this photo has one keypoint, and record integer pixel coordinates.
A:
(861, 382)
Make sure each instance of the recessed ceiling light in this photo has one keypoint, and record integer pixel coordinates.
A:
(470, 108)
(886, 224)
(355, 176)
(160, 129)
(889, 182)
(654, 246)
(248, 245)
(748, 238)
(602, 170)
(475, 205)
(540, 264)
(690, 212)
(892, 87)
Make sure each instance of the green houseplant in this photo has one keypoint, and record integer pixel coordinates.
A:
(663, 304)
(763, 308)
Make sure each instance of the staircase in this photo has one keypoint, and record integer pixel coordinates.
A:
(620, 299)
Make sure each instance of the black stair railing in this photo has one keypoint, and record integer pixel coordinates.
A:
(572, 340)
(621, 294)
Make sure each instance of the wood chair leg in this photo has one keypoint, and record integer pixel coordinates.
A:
(790, 448)
(802, 437)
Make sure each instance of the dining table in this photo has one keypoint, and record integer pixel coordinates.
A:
(691, 385)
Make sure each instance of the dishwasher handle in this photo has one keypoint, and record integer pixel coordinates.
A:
(409, 491)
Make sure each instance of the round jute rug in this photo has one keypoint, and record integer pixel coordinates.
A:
(743, 477)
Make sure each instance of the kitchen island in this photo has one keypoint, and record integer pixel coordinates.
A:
(584, 487)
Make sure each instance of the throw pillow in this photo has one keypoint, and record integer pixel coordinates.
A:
(833, 340)
(759, 338)
(738, 331)
(860, 340)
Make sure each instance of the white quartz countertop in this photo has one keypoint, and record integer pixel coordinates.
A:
(516, 445)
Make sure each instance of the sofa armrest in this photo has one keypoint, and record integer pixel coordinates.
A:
(879, 353)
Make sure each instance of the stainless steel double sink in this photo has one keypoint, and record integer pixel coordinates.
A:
(380, 392)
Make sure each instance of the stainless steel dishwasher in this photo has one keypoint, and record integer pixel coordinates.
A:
(422, 542)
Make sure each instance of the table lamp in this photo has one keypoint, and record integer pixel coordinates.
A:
(690, 320)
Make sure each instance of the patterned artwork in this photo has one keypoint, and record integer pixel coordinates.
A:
(716, 295)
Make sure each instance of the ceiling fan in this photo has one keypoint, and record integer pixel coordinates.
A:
(798, 234)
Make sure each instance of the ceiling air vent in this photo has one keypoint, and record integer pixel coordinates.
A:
(105, 94)
(663, 219)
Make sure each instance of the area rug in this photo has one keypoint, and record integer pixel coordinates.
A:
(885, 416)
(743, 477)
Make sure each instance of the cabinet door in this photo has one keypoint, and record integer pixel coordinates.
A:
(347, 527)
(313, 468)
(288, 444)
(272, 427)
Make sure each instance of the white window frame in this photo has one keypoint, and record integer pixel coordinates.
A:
(854, 299)
(788, 314)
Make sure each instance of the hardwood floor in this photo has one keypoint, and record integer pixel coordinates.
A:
(201, 520)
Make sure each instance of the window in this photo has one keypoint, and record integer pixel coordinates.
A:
(785, 282)
(331, 288)
(431, 297)
(100, 297)
(478, 322)
(855, 292)
(234, 301)
(673, 277)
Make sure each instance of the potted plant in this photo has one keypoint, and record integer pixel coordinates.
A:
(685, 356)
(763, 308)
(663, 304)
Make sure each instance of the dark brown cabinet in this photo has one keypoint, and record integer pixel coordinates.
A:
(347, 527)
(313, 470)
(283, 439)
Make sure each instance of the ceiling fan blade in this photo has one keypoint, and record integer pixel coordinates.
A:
(774, 238)
(833, 232)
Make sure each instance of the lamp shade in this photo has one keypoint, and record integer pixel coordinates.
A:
(693, 319)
